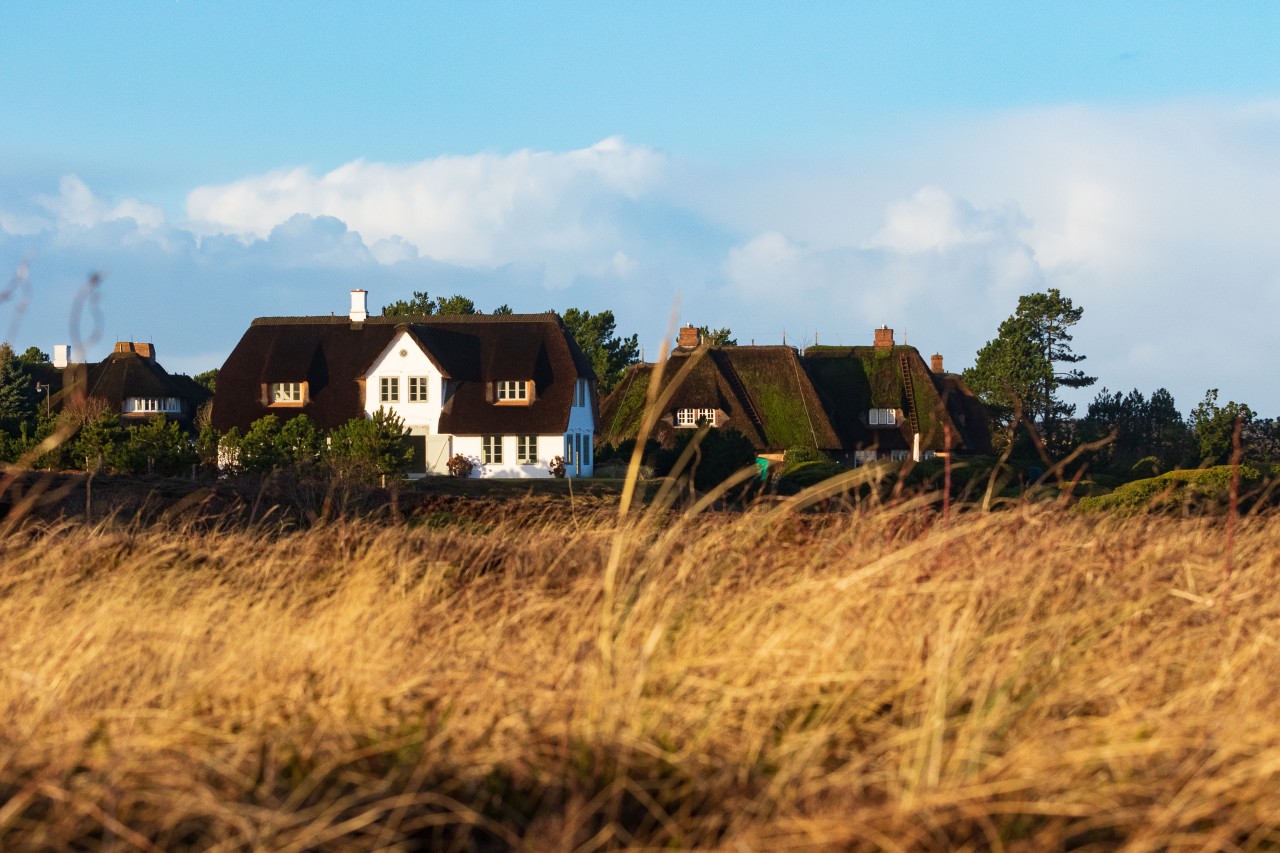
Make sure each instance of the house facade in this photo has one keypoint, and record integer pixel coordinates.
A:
(857, 404)
(508, 392)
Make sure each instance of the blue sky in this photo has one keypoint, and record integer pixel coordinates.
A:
(814, 169)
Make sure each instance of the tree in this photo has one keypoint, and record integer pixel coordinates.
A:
(34, 355)
(717, 337)
(1214, 427)
(158, 446)
(503, 309)
(207, 380)
(1144, 429)
(366, 448)
(100, 442)
(421, 305)
(17, 401)
(1020, 367)
(455, 305)
(596, 336)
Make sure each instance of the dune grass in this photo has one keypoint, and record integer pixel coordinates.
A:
(869, 679)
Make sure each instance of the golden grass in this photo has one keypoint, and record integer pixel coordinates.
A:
(1023, 680)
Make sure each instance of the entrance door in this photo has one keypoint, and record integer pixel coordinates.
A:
(437, 453)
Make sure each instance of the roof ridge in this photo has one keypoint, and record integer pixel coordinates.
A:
(413, 319)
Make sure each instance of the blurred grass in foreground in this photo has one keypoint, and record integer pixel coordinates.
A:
(871, 679)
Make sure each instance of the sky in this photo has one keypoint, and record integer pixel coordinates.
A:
(798, 172)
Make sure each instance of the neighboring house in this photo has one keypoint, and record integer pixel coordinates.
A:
(510, 392)
(129, 382)
(857, 404)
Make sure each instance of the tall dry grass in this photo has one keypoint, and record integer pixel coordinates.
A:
(765, 680)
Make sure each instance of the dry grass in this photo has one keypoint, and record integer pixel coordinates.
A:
(1021, 680)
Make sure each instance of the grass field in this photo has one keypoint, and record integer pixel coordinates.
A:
(1029, 679)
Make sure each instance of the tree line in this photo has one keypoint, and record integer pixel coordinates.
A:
(1018, 375)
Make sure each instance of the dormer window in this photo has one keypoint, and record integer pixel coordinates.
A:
(692, 417)
(285, 393)
(513, 391)
(882, 417)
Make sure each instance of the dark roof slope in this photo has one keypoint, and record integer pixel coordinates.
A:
(332, 354)
(126, 374)
(852, 380)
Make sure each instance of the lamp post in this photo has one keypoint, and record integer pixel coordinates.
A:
(44, 386)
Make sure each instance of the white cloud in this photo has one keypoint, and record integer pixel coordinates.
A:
(77, 205)
(480, 210)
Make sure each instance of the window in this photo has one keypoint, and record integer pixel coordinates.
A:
(509, 389)
(417, 389)
(691, 417)
(899, 455)
(582, 392)
(152, 404)
(577, 453)
(882, 417)
(285, 392)
(526, 449)
(568, 450)
(389, 389)
(491, 449)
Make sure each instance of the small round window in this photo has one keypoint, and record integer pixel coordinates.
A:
(403, 353)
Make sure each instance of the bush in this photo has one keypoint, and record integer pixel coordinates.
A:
(557, 467)
(798, 477)
(720, 455)
(99, 443)
(461, 466)
(368, 448)
(158, 446)
(1174, 489)
(801, 454)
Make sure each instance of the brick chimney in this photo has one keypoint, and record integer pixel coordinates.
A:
(884, 338)
(359, 306)
(689, 337)
(935, 362)
(147, 351)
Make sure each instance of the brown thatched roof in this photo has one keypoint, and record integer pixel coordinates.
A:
(332, 354)
(764, 392)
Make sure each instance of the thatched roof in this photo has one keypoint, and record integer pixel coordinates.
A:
(332, 354)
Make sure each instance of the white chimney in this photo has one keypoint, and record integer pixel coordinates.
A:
(61, 355)
(359, 306)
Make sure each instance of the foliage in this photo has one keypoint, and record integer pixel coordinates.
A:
(207, 380)
(1175, 489)
(421, 304)
(35, 356)
(17, 400)
(365, 449)
(299, 442)
(460, 466)
(722, 337)
(1145, 429)
(157, 446)
(596, 335)
(802, 454)
(455, 305)
(207, 438)
(720, 454)
(1213, 427)
(100, 443)
(557, 467)
(260, 450)
(503, 310)
(1019, 368)
(801, 475)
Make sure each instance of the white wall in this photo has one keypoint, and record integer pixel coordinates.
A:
(549, 447)
(420, 418)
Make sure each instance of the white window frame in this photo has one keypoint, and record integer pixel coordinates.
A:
(491, 449)
(512, 390)
(418, 389)
(690, 417)
(389, 389)
(284, 392)
(882, 417)
(899, 455)
(153, 404)
(526, 449)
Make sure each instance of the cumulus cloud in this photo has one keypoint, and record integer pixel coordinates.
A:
(551, 208)
(77, 205)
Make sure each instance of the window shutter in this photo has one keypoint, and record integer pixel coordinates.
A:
(489, 392)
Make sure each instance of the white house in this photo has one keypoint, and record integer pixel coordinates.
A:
(509, 392)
